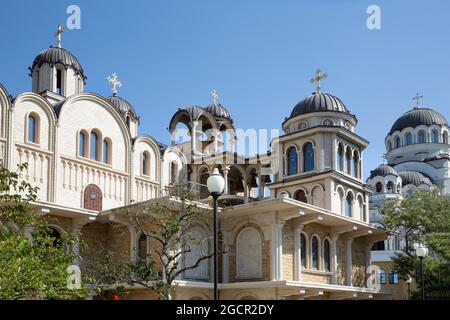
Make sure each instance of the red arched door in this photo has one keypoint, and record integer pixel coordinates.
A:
(93, 197)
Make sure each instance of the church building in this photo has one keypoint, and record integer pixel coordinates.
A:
(297, 230)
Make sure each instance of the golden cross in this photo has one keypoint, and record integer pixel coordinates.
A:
(215, 97)
(58, 34)
(115, 82)
(417, 98)
(319, 76)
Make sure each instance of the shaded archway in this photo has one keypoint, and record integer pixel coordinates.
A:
(300, 195)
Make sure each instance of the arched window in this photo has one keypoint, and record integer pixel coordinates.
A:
(33, 125)
(434, 136)
(145, 163)
(142, 248)
(303, 250)
(382, 275)
(379, 187)
(421, 137)
(393, 277)
(55, 235)
(292, 161)
(82, 144)
(445, 137)
(389, 146)
(408, 139)
(300, 196)
(106, 151)
(348, 161)
(340, 158)
(128, 121)
(94, 146)
(315, 252)
(397, 142)
(390, 187)
(308, 157)
(348, 205)
(326, 255)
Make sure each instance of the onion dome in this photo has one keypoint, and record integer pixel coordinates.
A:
(219, 111)
(382, 171)
(54, 55)
(319, 102)
(122, 106)
(417, 117)
(415, 178)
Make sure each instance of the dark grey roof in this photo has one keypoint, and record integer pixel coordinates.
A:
(54, 55)
(382, 171)
(414, 178)
(122, 105)
(219, 111)
(417, 117)
(319, 102)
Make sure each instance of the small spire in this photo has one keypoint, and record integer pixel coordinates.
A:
(115, 82)
(384, 160)
(58, 33)
(215, 96)
(318, 77)
(417, 98)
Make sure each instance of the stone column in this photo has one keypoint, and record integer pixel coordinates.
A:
(349, 263)
(245, 190)
(225, 177)
(367, 262)
(276, 248)
(133, 241)
(226, 257)
(298, 254)
(76, 246)
(334, 258)
(194, 146)
(260, 186)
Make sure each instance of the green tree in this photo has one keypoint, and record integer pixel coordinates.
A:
(423, 218)
(31, 267)
(166, 223)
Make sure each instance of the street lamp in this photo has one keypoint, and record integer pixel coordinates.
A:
(421, 252)
(215, 184)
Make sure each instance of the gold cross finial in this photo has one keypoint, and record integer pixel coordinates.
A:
(115, 82)
(319, 76)
(215, 97)
(58, 34)
(417, 98)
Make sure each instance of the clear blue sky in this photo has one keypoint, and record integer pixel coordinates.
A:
(258, 54)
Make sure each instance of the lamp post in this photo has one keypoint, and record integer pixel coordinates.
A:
(421, 252)
(215, 184)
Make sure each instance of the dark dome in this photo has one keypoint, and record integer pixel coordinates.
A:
(414, 178)
(54, 55)
(417, 117)
(219, 111)
(319, 102)
(122, 106)
(382, 171)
